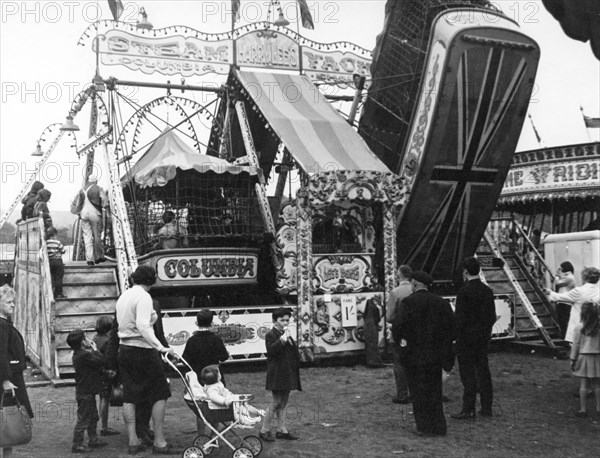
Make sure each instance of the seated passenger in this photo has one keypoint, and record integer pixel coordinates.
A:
(170, 234)
(220, 397)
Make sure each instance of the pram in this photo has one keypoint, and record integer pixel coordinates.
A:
(196, 400)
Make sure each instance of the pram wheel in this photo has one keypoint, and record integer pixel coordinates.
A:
(200, 441)
(193, 452)
(253, 443)
(242, 452)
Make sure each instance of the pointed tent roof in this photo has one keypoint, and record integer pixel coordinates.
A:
(168, 153)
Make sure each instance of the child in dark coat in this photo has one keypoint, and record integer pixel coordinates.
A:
(283, 374)
(30, 200)
(204, 348)
(103, 327)
(89, 366)
(41, 207)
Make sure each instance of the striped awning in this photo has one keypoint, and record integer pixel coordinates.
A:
(314, 133)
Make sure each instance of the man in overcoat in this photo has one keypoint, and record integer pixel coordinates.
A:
(475, 317)
(424, 329)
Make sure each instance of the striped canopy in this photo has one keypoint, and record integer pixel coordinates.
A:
(314, 133)
(168, 153)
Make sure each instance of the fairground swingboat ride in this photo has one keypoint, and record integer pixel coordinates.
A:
(446, 95)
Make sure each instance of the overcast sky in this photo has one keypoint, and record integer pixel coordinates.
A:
(42, 68)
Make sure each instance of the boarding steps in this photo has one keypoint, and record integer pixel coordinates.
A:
(535, 324)
(92, 291)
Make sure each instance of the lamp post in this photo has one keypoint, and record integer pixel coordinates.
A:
(44, 157)
(39, 152)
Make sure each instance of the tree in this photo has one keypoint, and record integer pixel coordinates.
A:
(8, 233)
(64, 235)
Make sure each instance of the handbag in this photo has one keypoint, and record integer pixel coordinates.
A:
(77, 203)
(15, 424)
(116, 396)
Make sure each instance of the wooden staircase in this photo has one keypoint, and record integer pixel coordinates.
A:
(92, 291)
(535, 324)
(498, 281)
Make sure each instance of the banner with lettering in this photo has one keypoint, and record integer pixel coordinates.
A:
(188, 268)
(553, 176)
(169, 55)
(337, 67)
(267, 49)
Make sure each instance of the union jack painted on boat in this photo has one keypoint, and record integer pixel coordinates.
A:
(474, 98)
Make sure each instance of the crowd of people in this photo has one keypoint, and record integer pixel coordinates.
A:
(126, 354)
(427, 338)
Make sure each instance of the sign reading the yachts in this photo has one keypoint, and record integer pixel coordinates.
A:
(552, 176)
(169, 55)
(267, 49)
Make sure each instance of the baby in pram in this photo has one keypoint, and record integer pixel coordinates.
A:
(220, 397)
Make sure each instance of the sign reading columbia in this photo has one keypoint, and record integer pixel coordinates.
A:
(581, 173)
(207, 269)
(168, 55)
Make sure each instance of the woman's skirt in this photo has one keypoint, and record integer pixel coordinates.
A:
(587, 366)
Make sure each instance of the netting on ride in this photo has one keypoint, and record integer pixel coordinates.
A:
(195, 210)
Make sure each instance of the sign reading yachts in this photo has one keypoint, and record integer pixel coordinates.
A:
(170, 55)
(209, 269)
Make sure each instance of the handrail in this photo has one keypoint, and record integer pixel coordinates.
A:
(527, 241)
(122, 239)
(532, 247)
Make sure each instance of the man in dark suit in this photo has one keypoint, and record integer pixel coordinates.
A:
(475, 317)
(424, 329)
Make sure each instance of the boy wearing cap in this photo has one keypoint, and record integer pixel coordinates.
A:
(91, 221)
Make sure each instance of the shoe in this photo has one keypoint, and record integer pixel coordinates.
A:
(109, 432)
(485, 413)
(416, 432)
(146, 440)
(267, 437)
(463, 415)
(98, 261)
(166, 450)
(135, 449)
(401, 400)
(60, 296)
(446, 399)
(80, 449)
(287, 436)
(90, 263)
(97, 444)
(581, 414)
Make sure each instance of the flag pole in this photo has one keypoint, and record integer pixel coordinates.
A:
(537, 135)
(587, 129)
(297, 18)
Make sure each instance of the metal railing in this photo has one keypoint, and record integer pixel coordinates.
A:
(508, 233)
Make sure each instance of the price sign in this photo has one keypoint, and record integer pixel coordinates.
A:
(349, 317)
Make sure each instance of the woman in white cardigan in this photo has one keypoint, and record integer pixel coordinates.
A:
(588, 292)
